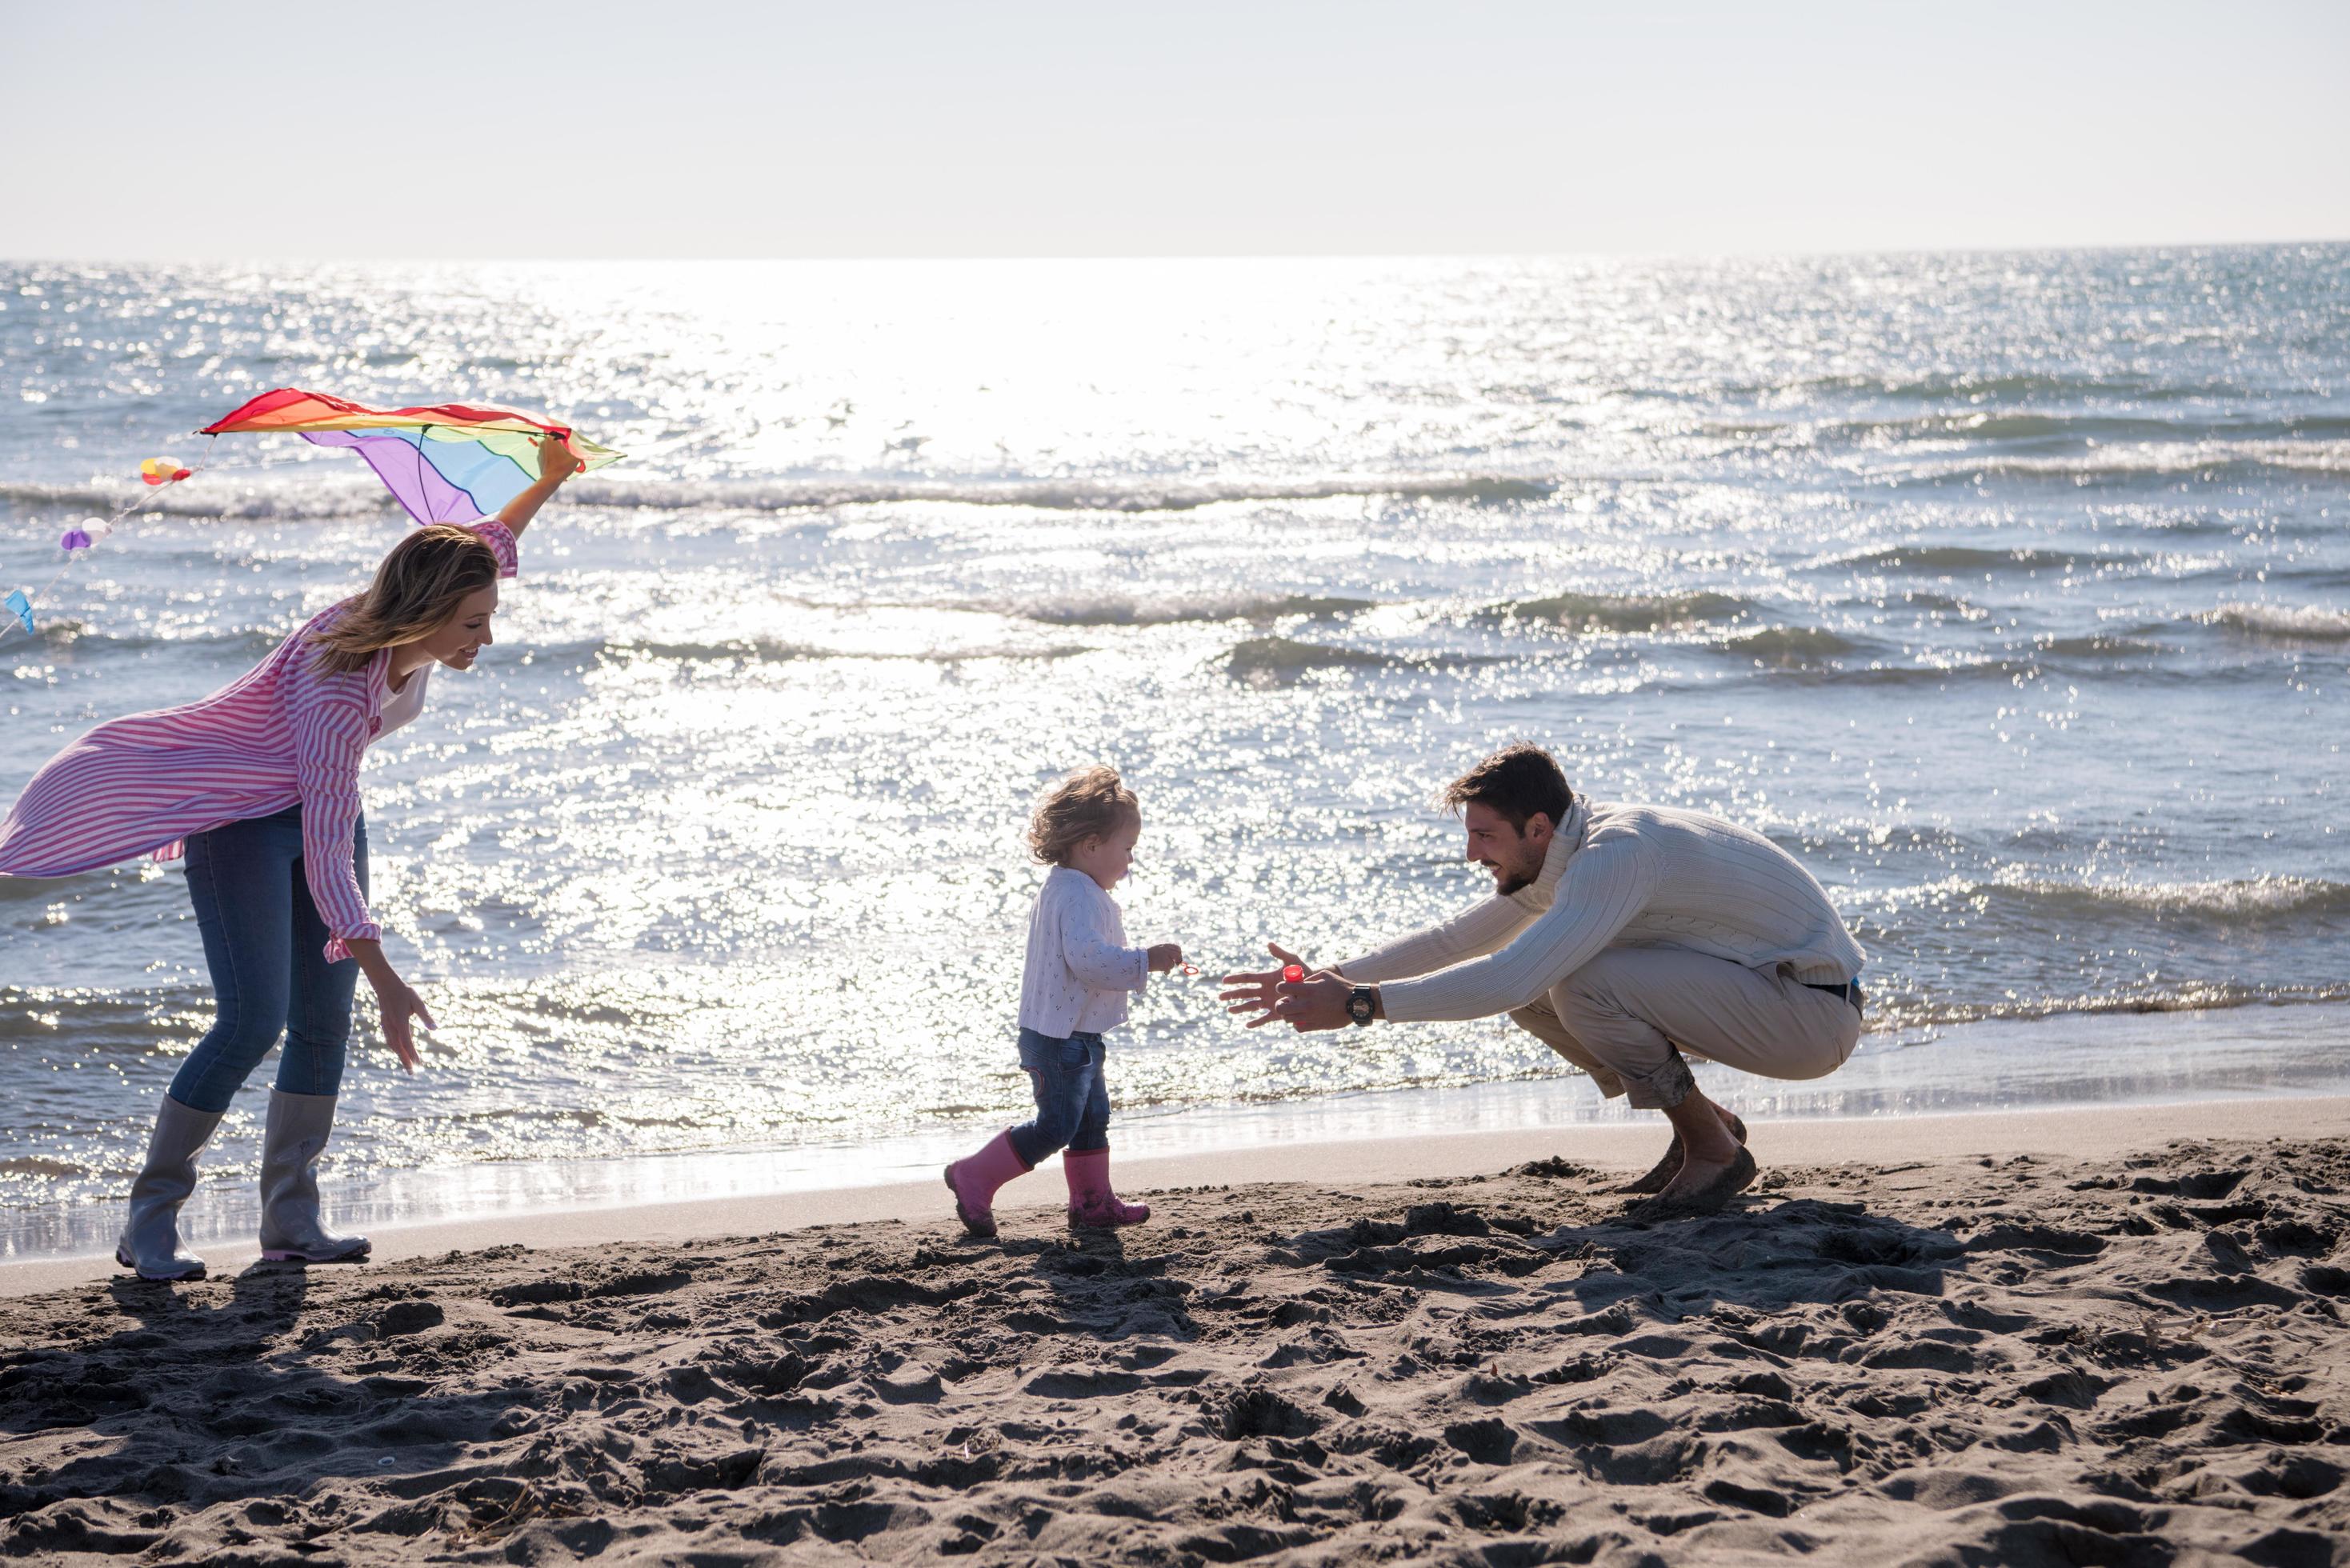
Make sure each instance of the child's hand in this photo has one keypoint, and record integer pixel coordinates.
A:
(1166, 956)
(556, 462)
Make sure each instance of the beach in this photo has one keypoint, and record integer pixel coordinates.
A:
(2088, 1335)
(1641, 708)
(2001, 591)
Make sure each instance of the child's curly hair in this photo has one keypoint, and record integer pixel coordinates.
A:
(1091, 802)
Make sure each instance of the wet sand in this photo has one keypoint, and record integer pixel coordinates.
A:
(2104, 1337)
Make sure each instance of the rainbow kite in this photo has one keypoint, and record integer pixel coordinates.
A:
(447, 462)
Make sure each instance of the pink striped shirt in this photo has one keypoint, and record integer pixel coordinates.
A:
(285, 734)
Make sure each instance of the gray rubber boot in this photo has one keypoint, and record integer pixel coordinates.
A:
(300, 1125)
(150, 1241)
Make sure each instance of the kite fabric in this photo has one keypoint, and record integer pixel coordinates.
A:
(447, 462)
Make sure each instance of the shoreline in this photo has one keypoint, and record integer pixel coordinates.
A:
(1995, 1066)
(2076, 1132)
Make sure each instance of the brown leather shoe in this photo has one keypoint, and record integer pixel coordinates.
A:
(1658, 1179)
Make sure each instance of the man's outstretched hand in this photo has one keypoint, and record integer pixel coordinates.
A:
(1317, 1002)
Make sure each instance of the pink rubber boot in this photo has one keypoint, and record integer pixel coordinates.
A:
(974, 1181)
(1092, 1204)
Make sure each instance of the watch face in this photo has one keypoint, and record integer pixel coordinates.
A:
(1358, 1006)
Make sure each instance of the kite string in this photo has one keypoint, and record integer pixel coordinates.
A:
(143, 502)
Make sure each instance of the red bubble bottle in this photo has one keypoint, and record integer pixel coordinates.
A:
(1292, 973)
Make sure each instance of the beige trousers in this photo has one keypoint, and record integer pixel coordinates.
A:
(1629, 1016)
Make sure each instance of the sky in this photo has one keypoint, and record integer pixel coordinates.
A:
(893, 128)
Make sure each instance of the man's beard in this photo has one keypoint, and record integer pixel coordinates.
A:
(1508, 882)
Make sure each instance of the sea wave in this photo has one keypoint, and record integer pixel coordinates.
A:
(1895, 1010)
(86, 643)
(1817, 672)
(2085, 428)
(1791, 645)
(80, 638)
(2252, 902)
(2081, 658)
(289, 500)
(1130, 610)
(2094, 645)
(347, 494)
(1110, 492)
(775, 650)
(1800, 652)
(1977, 388)
(2283, 623)
(1274, 661)
(1614, 612)
(1971, 558)
(1947, 604)
(34, 1168)
(2149, 460)
(52, 1023)
(2247, 904)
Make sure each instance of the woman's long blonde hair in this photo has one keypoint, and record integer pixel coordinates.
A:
(422, 583)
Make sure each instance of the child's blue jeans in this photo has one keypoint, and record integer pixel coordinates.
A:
(1072, 1100)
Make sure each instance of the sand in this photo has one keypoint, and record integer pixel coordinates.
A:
(1938, 1348)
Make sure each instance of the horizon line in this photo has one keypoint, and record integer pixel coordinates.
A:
(1767, 253)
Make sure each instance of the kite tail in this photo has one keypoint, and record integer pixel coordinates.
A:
(19, 603)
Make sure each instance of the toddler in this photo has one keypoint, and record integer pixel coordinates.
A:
(1073, 990)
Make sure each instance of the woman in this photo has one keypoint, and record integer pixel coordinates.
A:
(258, 784)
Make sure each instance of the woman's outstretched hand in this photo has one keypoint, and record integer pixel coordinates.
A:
(1260, 991)
(397, 1002)
(556, 462)
(395, 999)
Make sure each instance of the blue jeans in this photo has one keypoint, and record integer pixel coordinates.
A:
(1072, 1100)
(265, 944)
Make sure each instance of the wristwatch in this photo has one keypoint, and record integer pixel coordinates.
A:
(1362, 1003)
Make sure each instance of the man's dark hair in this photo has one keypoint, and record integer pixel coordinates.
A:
(1517, 781)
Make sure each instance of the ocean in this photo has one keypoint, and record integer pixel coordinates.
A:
(2009, 592)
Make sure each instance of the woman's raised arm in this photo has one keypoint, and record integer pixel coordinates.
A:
(556, 462)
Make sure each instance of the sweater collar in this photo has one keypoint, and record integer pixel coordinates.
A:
(1537, 895)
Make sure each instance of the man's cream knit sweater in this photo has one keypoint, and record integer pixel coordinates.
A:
(1618, 875)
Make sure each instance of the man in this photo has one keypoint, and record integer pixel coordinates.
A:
(1621, 936)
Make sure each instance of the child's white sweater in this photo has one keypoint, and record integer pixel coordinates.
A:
(1080, 971)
